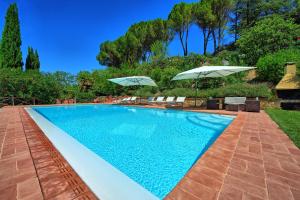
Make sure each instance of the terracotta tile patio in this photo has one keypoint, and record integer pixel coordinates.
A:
(30, 166)
(252, 159)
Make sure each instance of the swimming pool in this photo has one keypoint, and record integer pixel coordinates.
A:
(153, 147)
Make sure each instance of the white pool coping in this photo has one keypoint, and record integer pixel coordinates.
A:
(106, 182)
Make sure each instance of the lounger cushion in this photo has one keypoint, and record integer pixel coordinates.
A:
(235, 100)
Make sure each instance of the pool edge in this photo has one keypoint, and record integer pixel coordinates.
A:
(91, 168)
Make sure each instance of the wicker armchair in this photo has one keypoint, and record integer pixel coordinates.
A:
(252, 105)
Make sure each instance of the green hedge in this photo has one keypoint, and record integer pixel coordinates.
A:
(242, 89)
(28, 85)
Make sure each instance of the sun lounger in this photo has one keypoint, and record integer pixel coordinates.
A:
(132, 100)
(150, 100)
(125, 100)
(178, 103)
(160, 100)
(169, 100)
(234, 103)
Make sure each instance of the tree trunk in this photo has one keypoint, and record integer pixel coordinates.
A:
(206, 34)
(181, 41)
(214, 39)
(219, 36)
(186, 41)
(204, 41)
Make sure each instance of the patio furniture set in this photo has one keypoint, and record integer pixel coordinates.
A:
(234, 104)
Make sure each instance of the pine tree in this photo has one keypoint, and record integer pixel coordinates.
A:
(11, 40)
(32, 60)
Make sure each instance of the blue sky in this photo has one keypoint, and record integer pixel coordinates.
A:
(67, 33)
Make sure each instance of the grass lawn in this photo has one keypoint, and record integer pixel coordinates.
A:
(288, 121)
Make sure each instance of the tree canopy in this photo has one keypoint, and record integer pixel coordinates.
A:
(135, 45)
(11, 40)
(267, 36)
(179, 20)
(265, 33)
(204, 19)
(32, 60)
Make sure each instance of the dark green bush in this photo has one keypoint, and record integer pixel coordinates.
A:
(271, 67)
(28, 85)
(269, 35)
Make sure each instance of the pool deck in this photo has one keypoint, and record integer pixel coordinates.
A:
(252, 159)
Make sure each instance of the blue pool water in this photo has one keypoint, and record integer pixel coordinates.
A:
(153, 147)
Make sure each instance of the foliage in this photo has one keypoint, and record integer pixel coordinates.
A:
(221, 10)
(250, 11)
(85, 81)
(135, 45)
(150, 32)
(267, 36)
(11, 40)
(0, 55)
(296, 13)
(28, 85)
(214, 18)
(32, 60)
(158, 51)
(179, 20)
(204, 19)
(67, 84)
(288, 121)
(226, 57)
(244, 89)
(271, 67)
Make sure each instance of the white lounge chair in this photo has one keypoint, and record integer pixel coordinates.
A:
(132, 100)
(160, 100)
(178, 103)
(170, 100)
(125, 100)
(150, 100)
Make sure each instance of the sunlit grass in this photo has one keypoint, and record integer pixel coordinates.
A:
(288, 121)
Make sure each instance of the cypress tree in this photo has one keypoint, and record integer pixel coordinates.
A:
(37, 60)
(0, 55)
(32, 60)
(11, 40)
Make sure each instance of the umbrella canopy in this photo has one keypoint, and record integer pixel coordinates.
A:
(210, 71)
(134, 80)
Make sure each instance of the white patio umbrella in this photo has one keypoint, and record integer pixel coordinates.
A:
(209, 72)
(134, 80)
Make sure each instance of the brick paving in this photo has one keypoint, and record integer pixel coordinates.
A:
(30, 167)
(252, 159)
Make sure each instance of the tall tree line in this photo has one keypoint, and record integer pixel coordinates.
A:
(11, 40)
(135, 45)
(32, 60)
(10, 44)
(215, 19)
